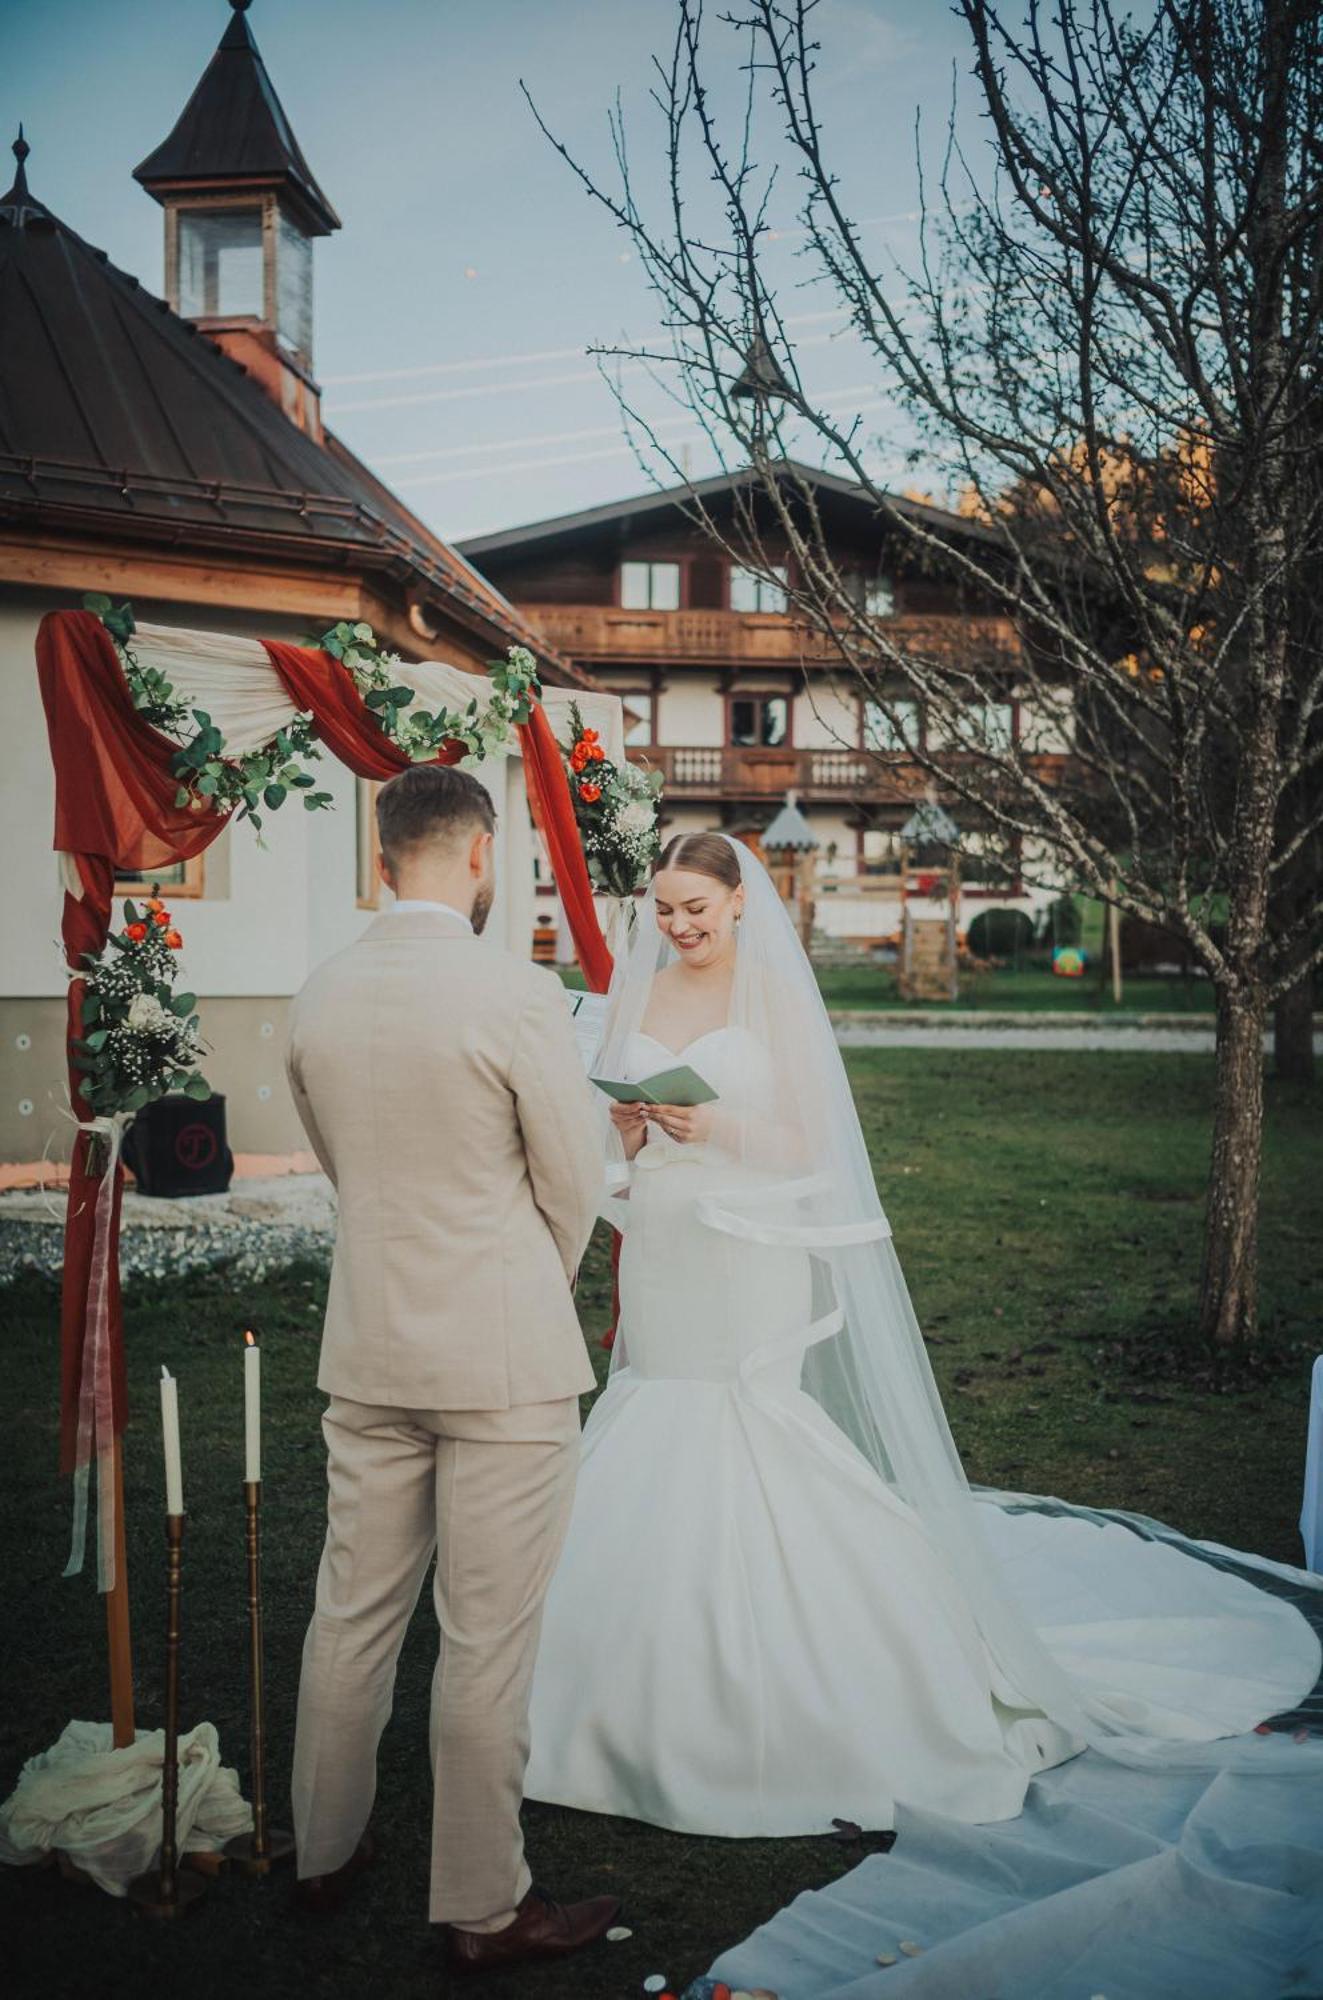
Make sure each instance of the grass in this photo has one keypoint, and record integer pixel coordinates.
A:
(1025, 989)
(1047, 1208)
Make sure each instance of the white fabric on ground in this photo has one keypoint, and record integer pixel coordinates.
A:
(1130, 1884)
(102, 1807)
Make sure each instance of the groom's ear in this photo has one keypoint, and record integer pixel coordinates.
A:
(480, 852)
(385, 871)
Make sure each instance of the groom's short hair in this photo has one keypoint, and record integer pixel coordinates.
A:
(430, 802)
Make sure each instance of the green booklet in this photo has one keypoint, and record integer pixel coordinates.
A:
(669, 1086)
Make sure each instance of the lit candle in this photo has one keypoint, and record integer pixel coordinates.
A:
(174, 1471)
(252, 1410)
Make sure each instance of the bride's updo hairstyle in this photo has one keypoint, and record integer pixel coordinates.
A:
(703, 854)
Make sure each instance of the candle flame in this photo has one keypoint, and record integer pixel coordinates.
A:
(249, 1340)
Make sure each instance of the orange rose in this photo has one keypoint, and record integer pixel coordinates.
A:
(174, 940)
(137, 932)
(597, 754)
(590, 794)
(589, 736)
(160, 917)
(154, 904)
(578, 757)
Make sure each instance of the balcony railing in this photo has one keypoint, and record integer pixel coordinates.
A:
(820, 777)
(757, 638)
(817, 775)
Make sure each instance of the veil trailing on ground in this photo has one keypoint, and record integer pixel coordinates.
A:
(801, 1177)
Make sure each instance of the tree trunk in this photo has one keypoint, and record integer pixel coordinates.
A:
(1228, 1292)
(1293, 1033)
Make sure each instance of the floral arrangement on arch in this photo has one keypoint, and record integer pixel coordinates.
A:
(140, 1038)
(382, 680)
(263, 779)
(207, 777)
(615, 809)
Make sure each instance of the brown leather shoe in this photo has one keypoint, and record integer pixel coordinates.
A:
(323, 1895)
(541, 1929)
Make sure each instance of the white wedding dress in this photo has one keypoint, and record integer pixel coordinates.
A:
(751, 1633)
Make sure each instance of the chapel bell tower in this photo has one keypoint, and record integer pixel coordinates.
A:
(241, 210)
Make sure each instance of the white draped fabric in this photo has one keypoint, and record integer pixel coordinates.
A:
(234, 681)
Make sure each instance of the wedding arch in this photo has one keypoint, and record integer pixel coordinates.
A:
(158, 739)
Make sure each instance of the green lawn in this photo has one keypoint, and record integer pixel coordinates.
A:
(1029, 989)
(1047, 1209)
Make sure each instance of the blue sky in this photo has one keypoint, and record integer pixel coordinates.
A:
(454, 306)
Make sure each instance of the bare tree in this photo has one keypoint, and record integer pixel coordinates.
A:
(1109, 349)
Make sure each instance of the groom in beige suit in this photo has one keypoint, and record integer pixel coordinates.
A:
(438, 1083)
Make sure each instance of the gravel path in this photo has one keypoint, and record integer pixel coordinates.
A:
(260, 1225)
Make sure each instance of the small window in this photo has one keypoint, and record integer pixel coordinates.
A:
(180, 878)
(368, 882)
(294, 287)
(894, 727)
(879, 851)
(650, 586)
(871, 593)
(638, 719)
(760, 721)
(220, 262)
(750, 591)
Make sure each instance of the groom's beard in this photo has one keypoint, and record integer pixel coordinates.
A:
(482, 906)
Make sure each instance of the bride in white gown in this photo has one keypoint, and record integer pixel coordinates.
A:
(779, 1601)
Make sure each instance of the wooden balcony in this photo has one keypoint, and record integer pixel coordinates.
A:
(820, 777)
(607, 633)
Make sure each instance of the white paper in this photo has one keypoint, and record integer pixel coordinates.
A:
(588, 1012)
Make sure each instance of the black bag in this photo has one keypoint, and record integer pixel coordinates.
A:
(177, 1146)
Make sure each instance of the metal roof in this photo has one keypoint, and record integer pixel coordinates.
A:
(119, 417)
(234, 128)
(790, 829)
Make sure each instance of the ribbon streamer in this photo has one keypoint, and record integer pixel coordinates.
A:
(96, 1415)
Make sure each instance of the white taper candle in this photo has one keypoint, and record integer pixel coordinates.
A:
(174, 1470)
(252, 1410)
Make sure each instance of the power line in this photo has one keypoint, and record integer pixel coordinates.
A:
(622, 450)
(479, 362)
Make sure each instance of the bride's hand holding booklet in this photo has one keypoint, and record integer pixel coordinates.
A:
(682, 1086)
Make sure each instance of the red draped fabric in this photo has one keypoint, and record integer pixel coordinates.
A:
(115, 812)
(341, 717)
(553, 810)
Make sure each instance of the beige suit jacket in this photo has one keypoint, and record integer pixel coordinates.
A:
(438, 1082)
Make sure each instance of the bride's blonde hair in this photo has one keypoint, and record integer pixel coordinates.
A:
(705, 854)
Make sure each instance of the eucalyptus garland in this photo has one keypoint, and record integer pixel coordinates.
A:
(382, 680)
(207, 777)
(266, 777)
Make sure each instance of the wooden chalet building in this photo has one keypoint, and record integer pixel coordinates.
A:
(738, 703)
(171, 451)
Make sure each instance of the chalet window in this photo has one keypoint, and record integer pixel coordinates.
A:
(751, 592)
(650, 586)
(893, 728)
(870, 592)
(638, 718)
(759, 721)
(707, 584)
(879, 851)
(994, 723)
(178, 878)
(220, 262)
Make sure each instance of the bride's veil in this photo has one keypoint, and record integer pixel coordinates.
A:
(802, 1177)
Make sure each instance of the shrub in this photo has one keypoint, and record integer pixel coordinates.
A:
(1001, 934)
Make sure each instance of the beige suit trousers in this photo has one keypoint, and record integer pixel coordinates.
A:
(491, 1493)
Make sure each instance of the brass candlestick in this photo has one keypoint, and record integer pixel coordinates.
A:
(257, 1852)
(167, 1891)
